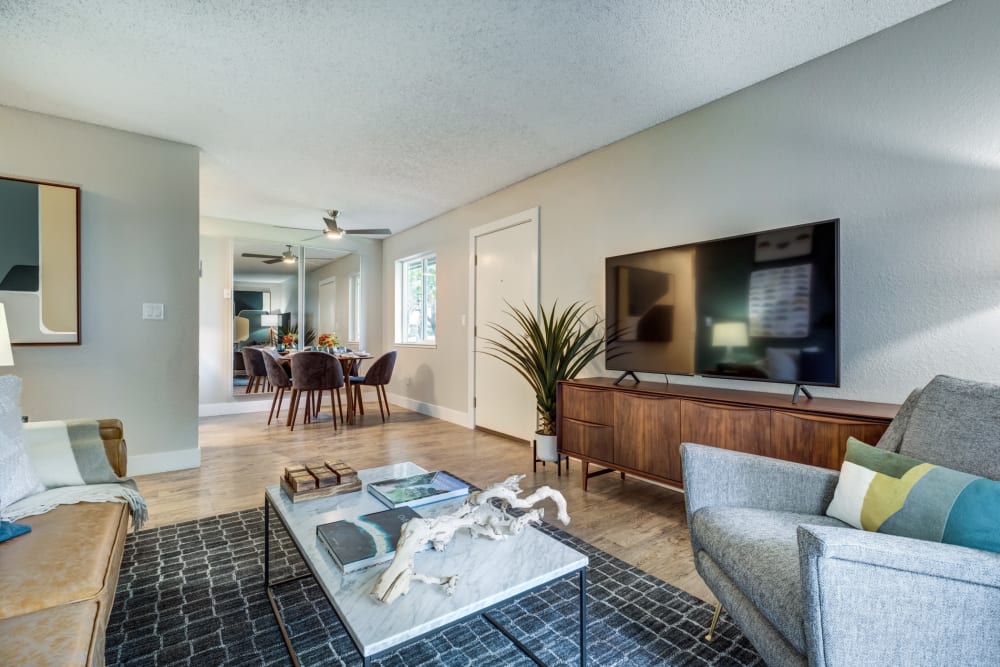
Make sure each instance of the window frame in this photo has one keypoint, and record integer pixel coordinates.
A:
(402, 305)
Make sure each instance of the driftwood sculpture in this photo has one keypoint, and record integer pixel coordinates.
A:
(479, 515)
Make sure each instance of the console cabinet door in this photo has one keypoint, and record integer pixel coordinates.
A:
(818, 440)
(727, 426)
(647, 434)
(592, 440)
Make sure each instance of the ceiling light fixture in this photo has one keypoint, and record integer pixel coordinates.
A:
(333, 233)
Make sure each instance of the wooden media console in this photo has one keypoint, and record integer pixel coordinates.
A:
(638, 429)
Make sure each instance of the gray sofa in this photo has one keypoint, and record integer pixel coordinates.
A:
(808, 589)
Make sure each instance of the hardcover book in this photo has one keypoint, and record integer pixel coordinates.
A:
(420, 489)
(367, 540)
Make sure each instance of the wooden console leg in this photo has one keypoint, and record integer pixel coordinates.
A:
(584, 477)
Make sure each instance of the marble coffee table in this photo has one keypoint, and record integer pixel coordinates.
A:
(489, 573)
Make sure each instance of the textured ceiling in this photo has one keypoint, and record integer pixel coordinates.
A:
(396, 111)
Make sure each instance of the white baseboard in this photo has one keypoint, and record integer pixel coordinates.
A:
(179, 459)
(233, 408)
(447, 414)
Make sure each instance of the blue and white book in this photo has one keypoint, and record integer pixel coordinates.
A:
(416, 490)
(367, 540)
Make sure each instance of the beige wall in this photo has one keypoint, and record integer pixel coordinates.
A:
(139, 243)
(897, 135)
(342, 270)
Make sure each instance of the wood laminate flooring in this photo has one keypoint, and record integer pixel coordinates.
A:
(641, 523)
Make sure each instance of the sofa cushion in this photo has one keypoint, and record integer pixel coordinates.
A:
(70, 634)
(759, 551)
(72, 553)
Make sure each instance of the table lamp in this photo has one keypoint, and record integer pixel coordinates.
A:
(6, 354)
(270, 321)
(729, 335)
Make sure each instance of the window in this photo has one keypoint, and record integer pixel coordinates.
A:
(354, 305)
(416, 299)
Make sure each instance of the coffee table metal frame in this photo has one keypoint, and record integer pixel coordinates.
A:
(269, 586)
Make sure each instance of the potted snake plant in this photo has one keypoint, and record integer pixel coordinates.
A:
(554, 346)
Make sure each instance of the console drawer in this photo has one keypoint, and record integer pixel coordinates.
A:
(592, 440)
(588, 405)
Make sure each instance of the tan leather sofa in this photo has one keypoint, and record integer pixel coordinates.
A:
(57, 583)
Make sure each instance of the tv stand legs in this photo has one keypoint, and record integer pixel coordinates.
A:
(603, 471)
(804, 390)
(625, 375)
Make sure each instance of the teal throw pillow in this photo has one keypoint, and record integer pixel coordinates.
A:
(10, 530)
(885, 492)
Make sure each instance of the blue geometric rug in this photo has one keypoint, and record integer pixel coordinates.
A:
(192, 594)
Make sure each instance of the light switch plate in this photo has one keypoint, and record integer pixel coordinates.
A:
(152, 311)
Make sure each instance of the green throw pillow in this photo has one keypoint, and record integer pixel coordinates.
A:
(894, 494)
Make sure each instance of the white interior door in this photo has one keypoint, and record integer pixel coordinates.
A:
(506, 269)
(328, 306)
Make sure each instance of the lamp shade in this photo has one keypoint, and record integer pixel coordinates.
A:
(270, 320)
(6, 355)
(729, 334)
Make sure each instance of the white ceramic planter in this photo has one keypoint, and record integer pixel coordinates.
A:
(545, 447)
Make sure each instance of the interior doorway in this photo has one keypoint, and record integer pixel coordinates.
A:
(327, 305)
(504, 270)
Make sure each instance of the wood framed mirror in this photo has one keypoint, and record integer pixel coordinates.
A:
(40, 261)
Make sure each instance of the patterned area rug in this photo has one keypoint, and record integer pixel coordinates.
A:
(192, 594)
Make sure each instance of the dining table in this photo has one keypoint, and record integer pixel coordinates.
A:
(349, 361)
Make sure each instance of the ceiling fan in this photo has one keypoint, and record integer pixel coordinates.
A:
(287, 257)
(335, 231)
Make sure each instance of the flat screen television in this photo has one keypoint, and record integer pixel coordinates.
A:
(761, 306)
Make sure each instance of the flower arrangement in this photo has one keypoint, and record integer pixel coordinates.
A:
(289, 338)
(328, 340)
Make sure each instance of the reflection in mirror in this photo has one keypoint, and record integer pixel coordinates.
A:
(267, 301)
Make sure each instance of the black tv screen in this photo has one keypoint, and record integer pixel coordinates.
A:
(762, 306)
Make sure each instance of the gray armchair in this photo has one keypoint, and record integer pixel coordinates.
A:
(808, 589)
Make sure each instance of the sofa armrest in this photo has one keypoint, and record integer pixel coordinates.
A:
(721, 477)
(113, 435)
(871, 598)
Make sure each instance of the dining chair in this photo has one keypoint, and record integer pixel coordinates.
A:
(377, 376)
(277, 375)
(312, 374)
(253, 360)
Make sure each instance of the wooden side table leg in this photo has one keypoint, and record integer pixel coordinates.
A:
(585, 466)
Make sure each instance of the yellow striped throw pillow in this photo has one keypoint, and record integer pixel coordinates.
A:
(885, 492)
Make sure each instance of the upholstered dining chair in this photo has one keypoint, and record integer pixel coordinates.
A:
(277, 375)
(253, 360)
(378, 376)
(312, 374)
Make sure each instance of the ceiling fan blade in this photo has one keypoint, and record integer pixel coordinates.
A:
(368, 231)
(255, 255)
(273, 261)
(312, 238)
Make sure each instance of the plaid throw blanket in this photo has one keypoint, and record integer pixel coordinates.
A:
(70, 461)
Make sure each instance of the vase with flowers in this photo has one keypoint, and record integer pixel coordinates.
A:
(328, 341)
(288, 340)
